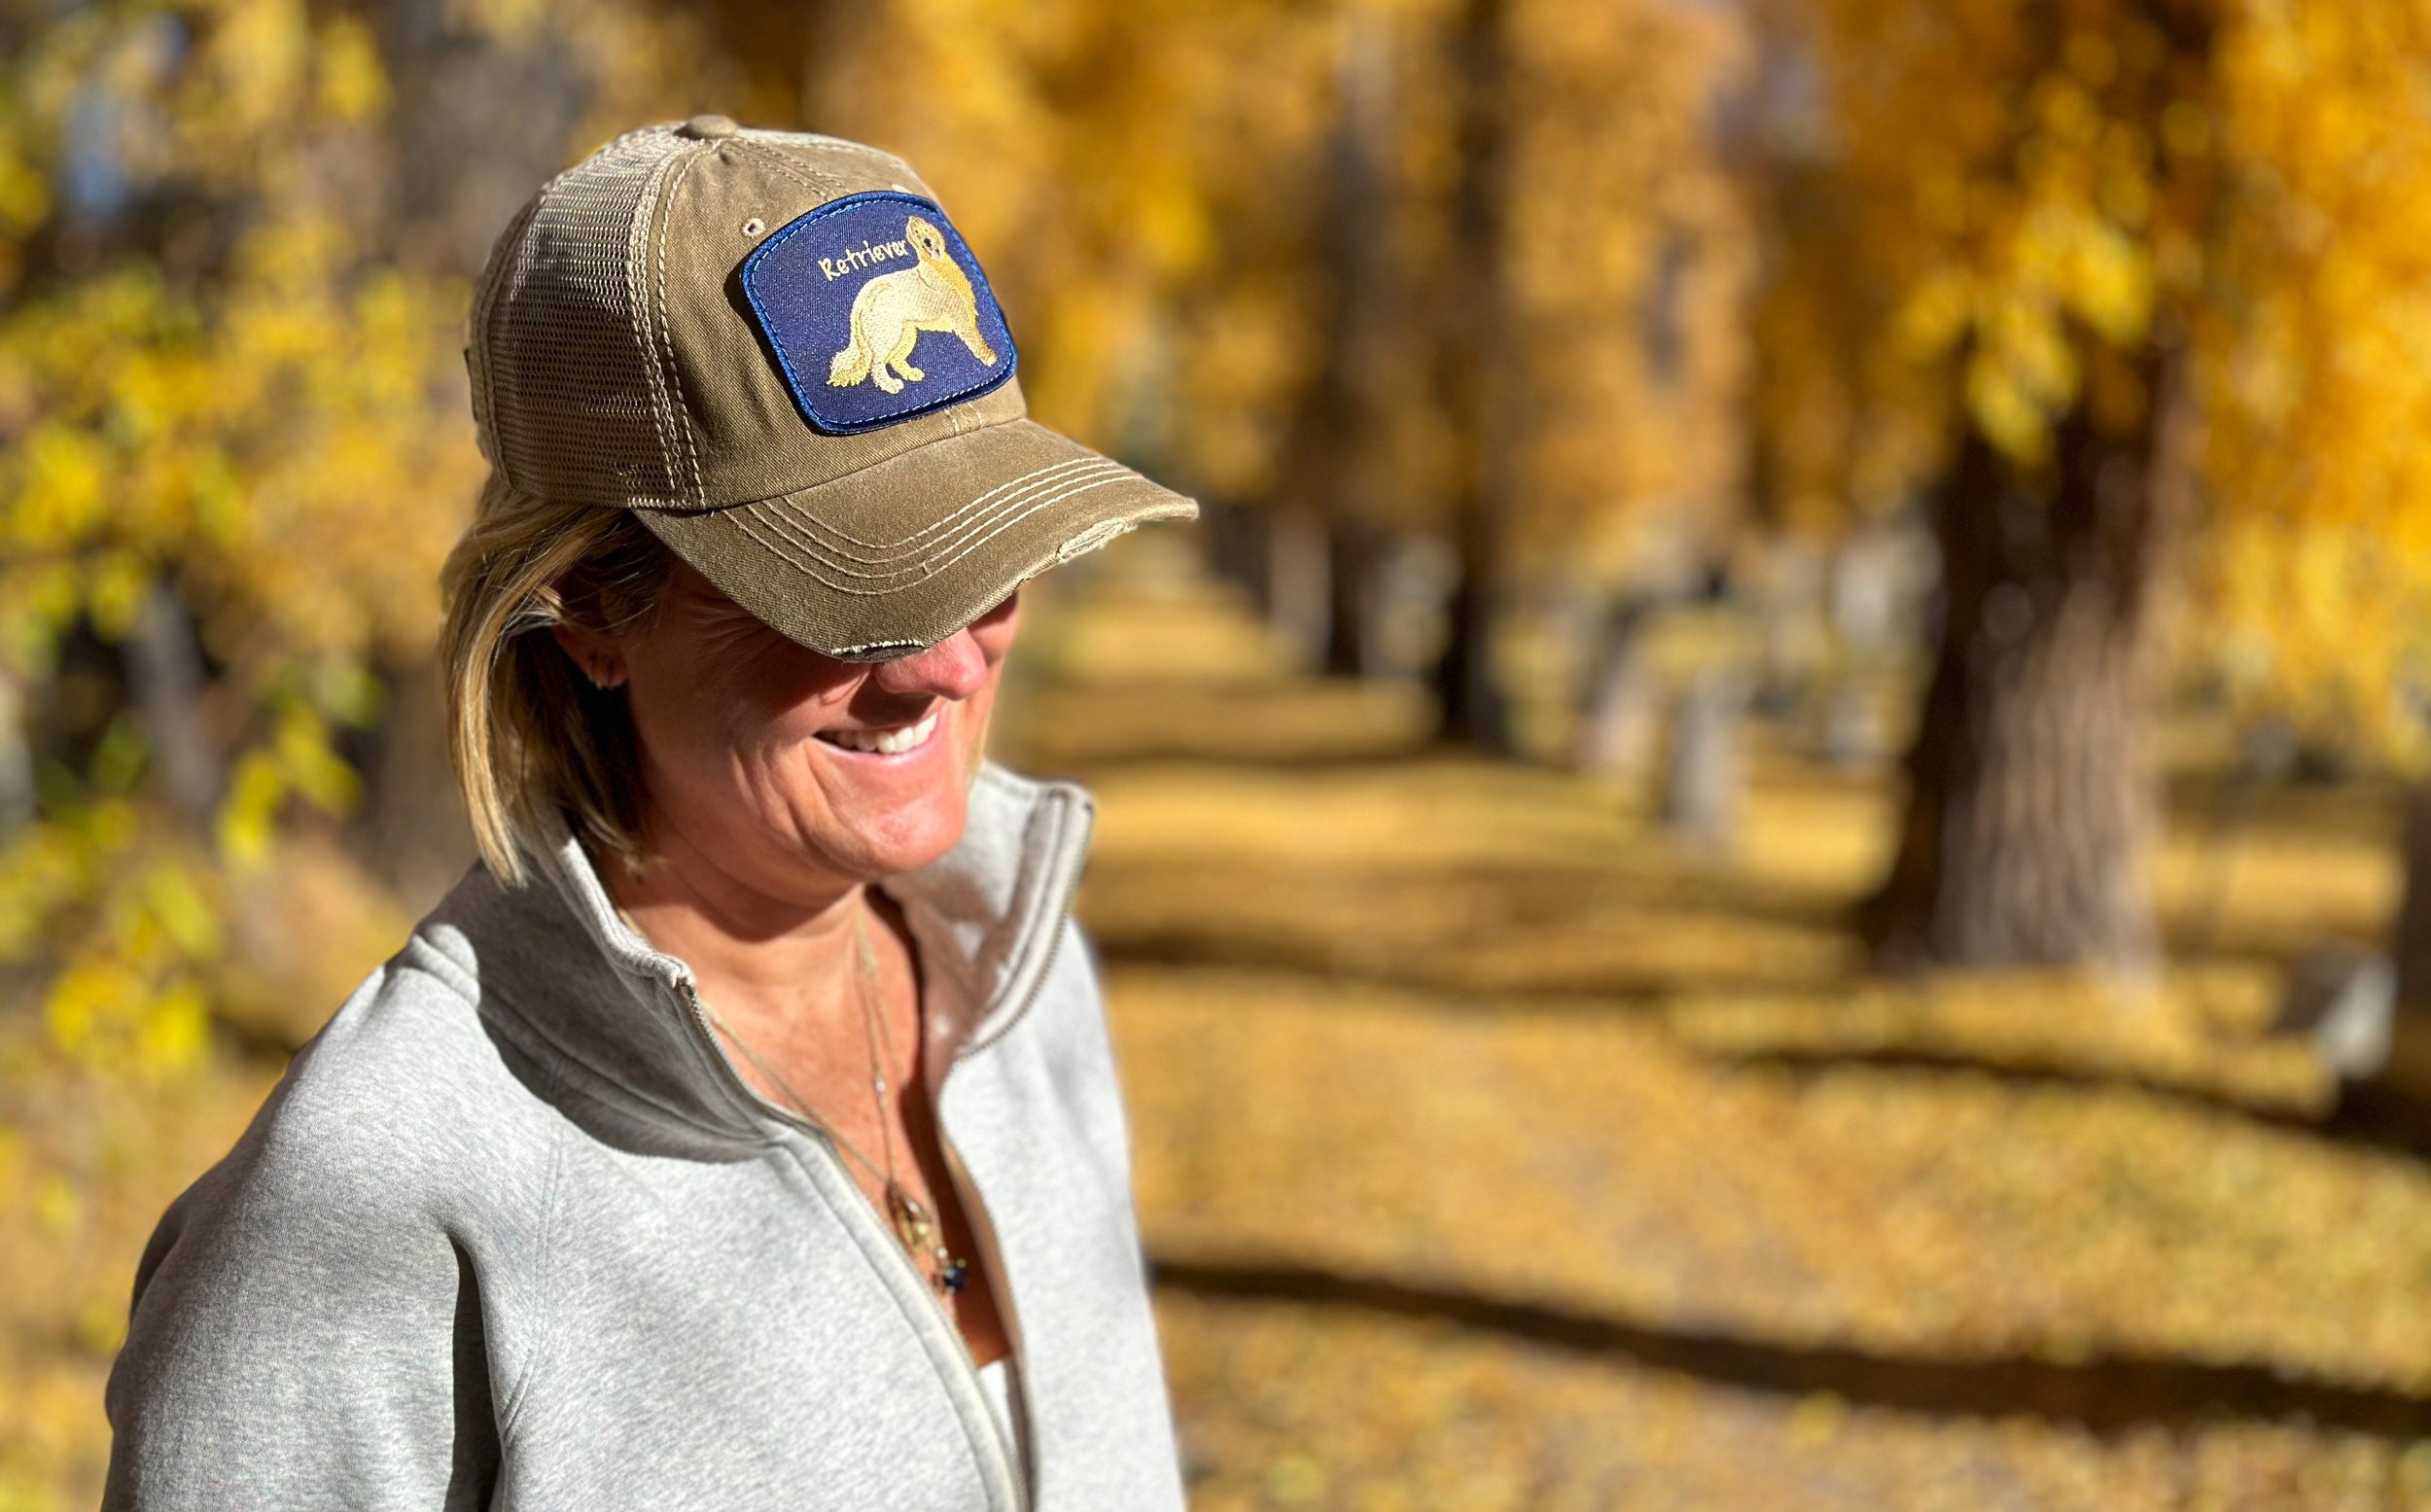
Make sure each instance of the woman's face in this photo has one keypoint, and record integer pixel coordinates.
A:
(756, 751)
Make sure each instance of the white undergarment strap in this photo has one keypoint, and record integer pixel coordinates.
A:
(998, 1378)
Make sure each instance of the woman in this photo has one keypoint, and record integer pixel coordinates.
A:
(742, 1130)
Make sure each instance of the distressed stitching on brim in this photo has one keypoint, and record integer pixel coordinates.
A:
(898, 555)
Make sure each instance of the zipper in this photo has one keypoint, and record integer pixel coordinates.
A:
(1068, 885)
(890, 1244)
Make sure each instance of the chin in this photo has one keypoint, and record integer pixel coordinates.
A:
(885, 839)
(888, 812)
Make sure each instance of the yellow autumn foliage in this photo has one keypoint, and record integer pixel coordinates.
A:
(249, 418)
(265, 417)
(1155, 212)
(2019, 189)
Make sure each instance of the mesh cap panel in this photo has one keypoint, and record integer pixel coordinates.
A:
(564, 344)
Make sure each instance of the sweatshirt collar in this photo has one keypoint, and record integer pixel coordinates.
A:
(986, 917)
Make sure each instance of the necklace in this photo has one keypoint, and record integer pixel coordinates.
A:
(914, 1225)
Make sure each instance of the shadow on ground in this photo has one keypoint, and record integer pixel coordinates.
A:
(2105, 1396)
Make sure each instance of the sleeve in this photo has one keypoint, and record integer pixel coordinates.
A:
(302, 1335)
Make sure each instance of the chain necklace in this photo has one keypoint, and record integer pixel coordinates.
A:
(914, 1225)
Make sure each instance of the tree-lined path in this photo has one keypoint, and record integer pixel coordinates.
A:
(1493, 1156)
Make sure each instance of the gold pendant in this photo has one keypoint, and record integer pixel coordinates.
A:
(912, 1225)
(911, 1219)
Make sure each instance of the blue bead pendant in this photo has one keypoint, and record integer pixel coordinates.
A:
(912, 1222)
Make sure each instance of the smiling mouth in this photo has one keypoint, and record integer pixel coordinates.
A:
(891, 741)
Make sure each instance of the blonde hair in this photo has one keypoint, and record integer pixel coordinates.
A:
(527, 732)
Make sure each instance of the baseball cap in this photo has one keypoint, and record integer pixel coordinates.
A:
(776, 350)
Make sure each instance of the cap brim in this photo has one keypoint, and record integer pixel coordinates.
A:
(901, 554)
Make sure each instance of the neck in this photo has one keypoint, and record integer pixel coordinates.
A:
(756, 953)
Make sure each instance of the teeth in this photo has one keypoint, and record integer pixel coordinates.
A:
(884, 742)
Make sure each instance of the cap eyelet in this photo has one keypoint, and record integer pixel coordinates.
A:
(753, 226)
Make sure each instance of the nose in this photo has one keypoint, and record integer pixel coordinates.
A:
(953, 668)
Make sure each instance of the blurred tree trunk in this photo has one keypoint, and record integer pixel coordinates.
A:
(473, 128)
(410, 829)
(1339, 427)
(1354, 637)
(789, 54)
(2408, 1066)
(1476, 376)
(2409, 946)
(1617, 715)
(1871, 615)
(2032, 791)
(1702, 771)
(165, 673)
(16, 757)
(1298, 580)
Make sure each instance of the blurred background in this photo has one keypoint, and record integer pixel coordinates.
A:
(1765, 851)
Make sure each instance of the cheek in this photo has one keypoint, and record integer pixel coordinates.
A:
(688, 752)
(978, 711)
(717, 736)
(730, 743)
(970, 736)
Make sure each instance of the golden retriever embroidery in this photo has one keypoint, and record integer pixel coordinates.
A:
(892, 309)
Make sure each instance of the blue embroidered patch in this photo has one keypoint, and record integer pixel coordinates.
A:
(844, 294)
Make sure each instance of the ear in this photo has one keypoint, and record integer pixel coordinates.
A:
(596, 659)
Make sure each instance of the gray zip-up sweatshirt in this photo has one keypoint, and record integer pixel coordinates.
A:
(512, 1232)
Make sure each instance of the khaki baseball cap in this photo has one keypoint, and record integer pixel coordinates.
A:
(777, 349)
